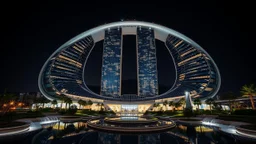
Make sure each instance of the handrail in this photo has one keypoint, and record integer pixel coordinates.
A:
(131, 129)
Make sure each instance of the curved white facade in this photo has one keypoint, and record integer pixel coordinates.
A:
(196, 72)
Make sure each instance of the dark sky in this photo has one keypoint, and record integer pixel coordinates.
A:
(32, 32)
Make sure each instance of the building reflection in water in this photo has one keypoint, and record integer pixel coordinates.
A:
(62, 126)
(110, 138)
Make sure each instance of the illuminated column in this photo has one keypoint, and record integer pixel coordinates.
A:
(188, 100)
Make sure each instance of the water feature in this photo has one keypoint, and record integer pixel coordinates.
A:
(180, 134)
(48, 119)
(77, 133)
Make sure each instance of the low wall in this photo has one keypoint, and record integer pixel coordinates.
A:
(12, 129)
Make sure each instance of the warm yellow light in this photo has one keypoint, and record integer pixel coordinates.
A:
(5, 105)
(19, 104)
(11, 103)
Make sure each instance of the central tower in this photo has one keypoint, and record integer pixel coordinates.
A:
(146, 62)
(111, 63)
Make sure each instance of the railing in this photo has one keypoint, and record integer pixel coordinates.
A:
(247, 132)
(95, 125)
(13, 129)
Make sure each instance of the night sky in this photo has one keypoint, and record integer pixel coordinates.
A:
(34, 31)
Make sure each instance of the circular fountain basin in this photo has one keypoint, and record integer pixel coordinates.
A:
(70, 119)
(247, 130)
(130, 126)
(190, 121)
(13, 128)
(129, 120)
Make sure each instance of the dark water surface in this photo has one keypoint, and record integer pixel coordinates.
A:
(78, 133)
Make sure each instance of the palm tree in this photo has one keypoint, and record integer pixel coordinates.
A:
(98, 105)
(84, 103)
(102, 105)
(249, 91)
(197, 102)
(54, 102)
(171, 104)
(157, 106)
(62, 99)
(182, 102)
(210, 101)
(177, 104)
(165, 103)
(68, 101)
(80, 102)
(90, 103)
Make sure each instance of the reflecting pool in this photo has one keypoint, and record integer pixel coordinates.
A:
(78, 133)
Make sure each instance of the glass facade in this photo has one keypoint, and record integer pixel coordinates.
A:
(111, 65)
(146, 62)
(196, 72)
(63, 72)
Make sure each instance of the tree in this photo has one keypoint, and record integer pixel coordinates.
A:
(89, 103)
(98, 105)
(165, 103)
(177, 104)
(62, 98)
(84, 103)
(101, 106)
(230, 96)
(171, 104)
(68, 101)
(157, 105)
(249, 91)
(182, 102)
(210, 101)
(54, 102)
(197, 102)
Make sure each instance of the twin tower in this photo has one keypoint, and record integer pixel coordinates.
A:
(146, 62)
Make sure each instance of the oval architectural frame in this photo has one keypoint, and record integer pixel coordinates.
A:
(162, 33)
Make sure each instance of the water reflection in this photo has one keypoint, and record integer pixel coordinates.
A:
(78, 133)
(61, 126)
(59, 130)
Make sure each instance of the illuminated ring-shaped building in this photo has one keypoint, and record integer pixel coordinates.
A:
(63, 72)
